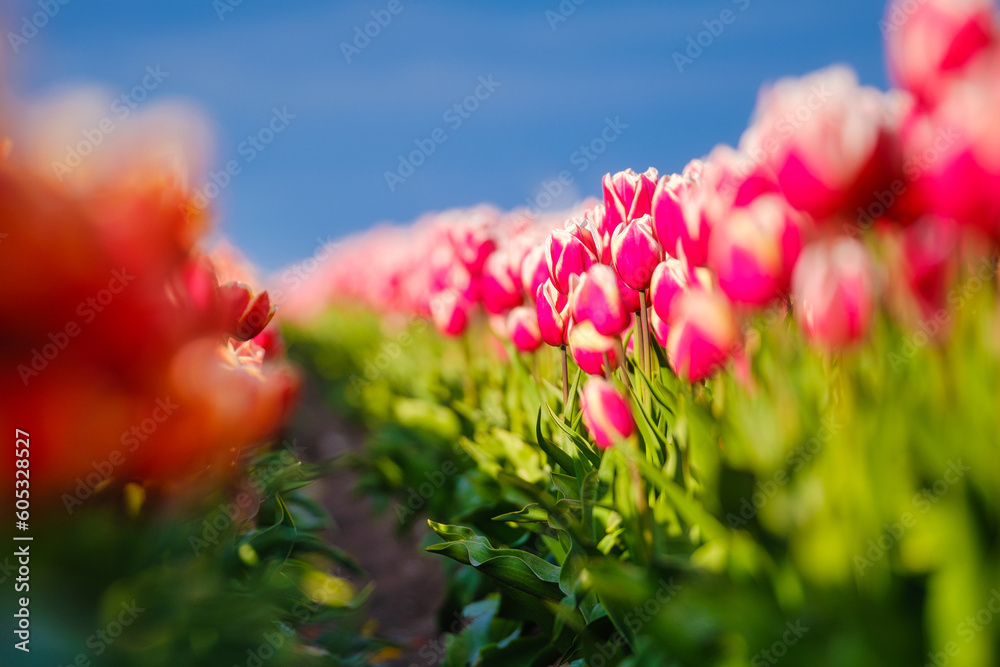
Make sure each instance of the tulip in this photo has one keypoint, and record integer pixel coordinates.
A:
(628, 195)
(522, 328)
(552, 310)
(929, 262)
(702, 334)
(679, 218)
(635, 252)
(596, 298)
(930, 42)
(833, 292)
(450, 313)
(606, 413)
(630, 297)
(669, 280)
(599, 219)
(590, 349)
(534, 270)
(501, 289)
(660, 328)
(566, 255)
(753, 251)
(829, 140)
(472, 245)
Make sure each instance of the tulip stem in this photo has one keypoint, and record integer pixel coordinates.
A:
(644, 341)
(621, 353)
(565, 378)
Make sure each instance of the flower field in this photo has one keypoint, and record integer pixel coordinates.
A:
(742, 414)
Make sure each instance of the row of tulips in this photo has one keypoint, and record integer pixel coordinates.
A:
(828, 174)
(782, 358)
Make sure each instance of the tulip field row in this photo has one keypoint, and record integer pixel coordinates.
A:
(716, 417)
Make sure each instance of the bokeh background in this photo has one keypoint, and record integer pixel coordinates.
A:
(563, 69)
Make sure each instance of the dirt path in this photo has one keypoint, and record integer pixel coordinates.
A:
(409, 583)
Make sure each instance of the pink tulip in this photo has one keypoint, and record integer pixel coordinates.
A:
(833, 292)
(552, 310)
(472, 244)
(635, 252)
(931, 41)
(522, 328)
(566, 255)
(628, 195)
(702, 334)
(589, 348)
(962, 134)
(450, 313)
(597, 217)
(630, 297)
(501, 288)
(753, 251)
(827, 139)
(680, 217)
(606, 413)
(660, 328)
(534, 270)
(670, 279)
(929, 263)
(596, 298)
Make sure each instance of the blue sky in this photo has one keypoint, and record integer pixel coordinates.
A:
(324, 175)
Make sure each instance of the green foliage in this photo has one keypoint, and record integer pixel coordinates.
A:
(837, 509)
(239, 577)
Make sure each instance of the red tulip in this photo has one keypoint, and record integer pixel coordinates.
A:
(566, 255)
(931, 41)
(552, 309)
(702, 334)
(596, 298)
(590, 348)
(522, 328)
(670, 279)
(635, 252)
(628, 195)
(606, 413)
(833, 292)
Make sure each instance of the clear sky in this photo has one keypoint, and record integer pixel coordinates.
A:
(556, 85)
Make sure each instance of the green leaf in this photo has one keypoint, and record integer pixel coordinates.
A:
(593, 457)
(528, 514)
(553, 451)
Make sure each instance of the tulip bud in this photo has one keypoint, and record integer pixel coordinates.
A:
(833, 292)
(472, 245)
(589, 348)
(630, 297)
(501, 289)
(596, 298)
(552, 309)
(753, 251)
(606, 413)
(628, 195)
(566, 255)
(636, 252)
(522, 328)
(702, 334)
(669, 280)
(534, 270)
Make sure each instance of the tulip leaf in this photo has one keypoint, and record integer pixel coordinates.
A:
(528, 514)
(518, 569)
(553, 451)
(581, 443)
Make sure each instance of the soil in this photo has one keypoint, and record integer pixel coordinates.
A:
(409, 582)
